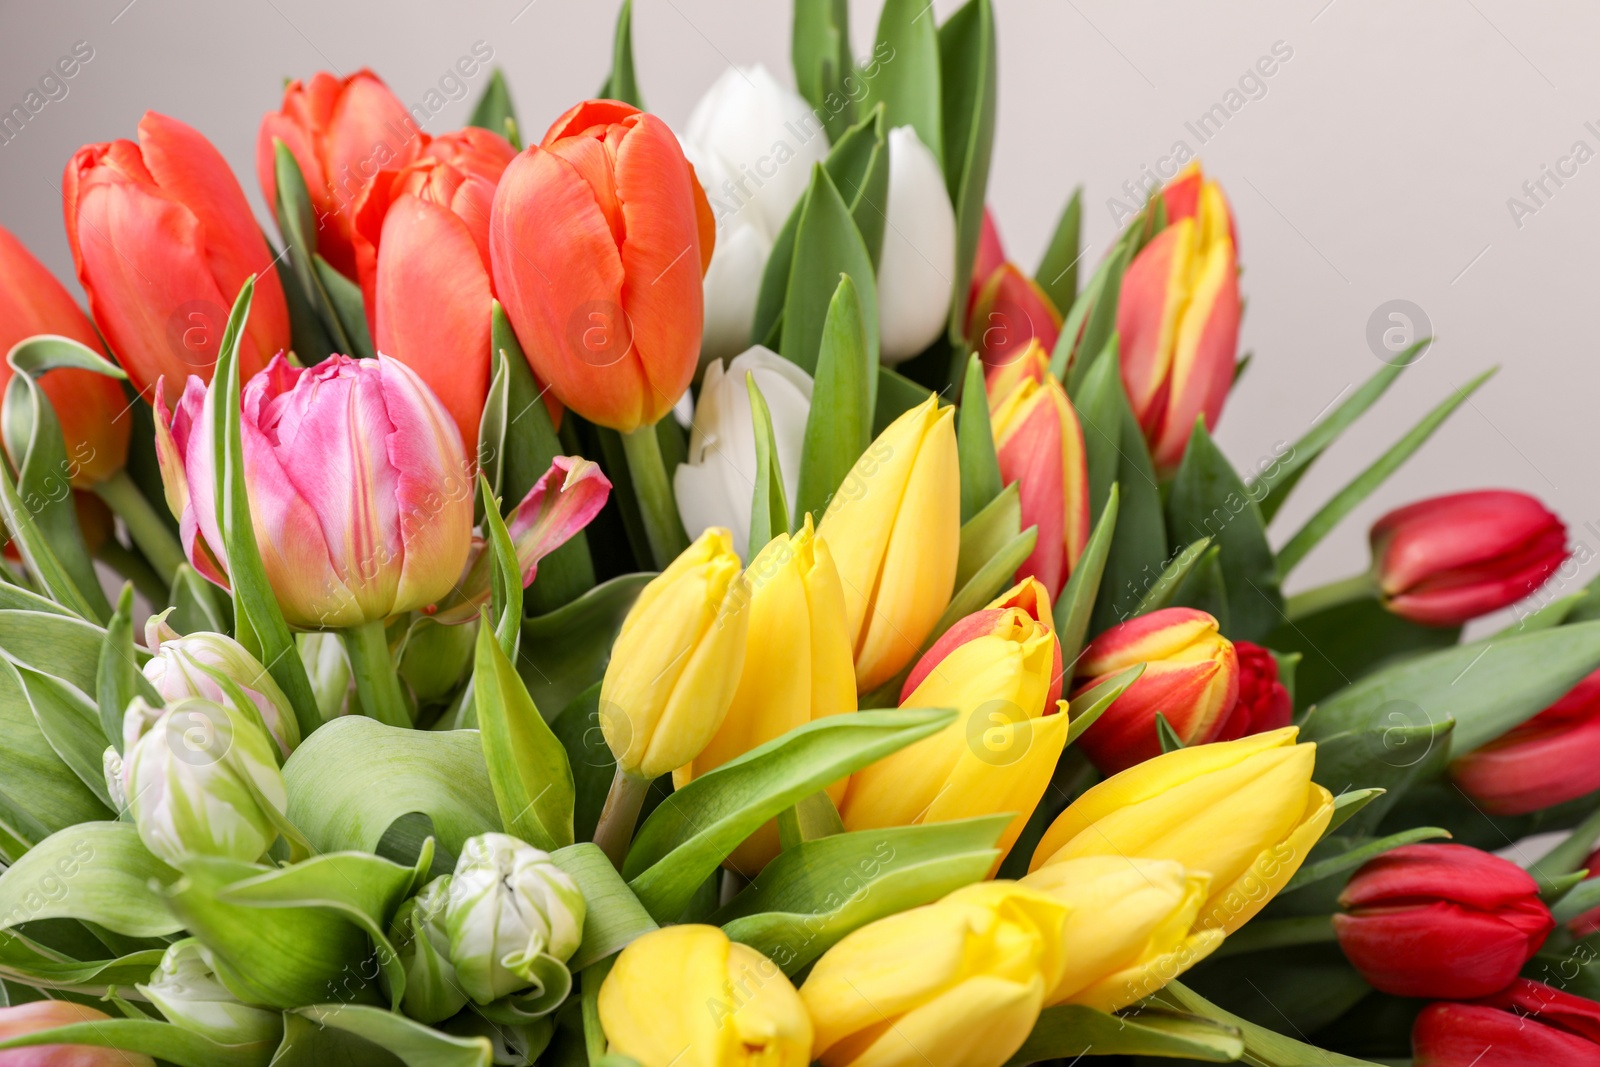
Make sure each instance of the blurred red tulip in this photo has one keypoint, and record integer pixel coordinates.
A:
(1526, 1024)
(1552, 758)
(1263, 703)
(991, 255)
(37, 1015)
(1010, 313)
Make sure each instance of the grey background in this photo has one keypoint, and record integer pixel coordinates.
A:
(1377, 166)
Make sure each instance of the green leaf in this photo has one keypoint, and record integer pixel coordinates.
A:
(1346, 805)
(1088, 706)
(1342, 643)
(505, 576)
(1204, 590)
(839, 425)
(566, 651)
(160, 1040)
(811, 896)
(684, 840)
(494, 111)
(621, 84)
(980, 467)
(36, 785)
(1058, 270)
(769, 511)
(988, 532)
(897, 395)
(22, 960)
(1357, 852)
(413, 1043)
(1090, 325)
(593, 766)
(1170, 741)
(297, 222)
(826, 245)
(119, 679)
(907, 80)
(614, 915)
(1581, 898)
(820, 51)
(70, 721)
(1068, 1031)
(1401, 747)
(1345, 501)
(1098, 403)
(812, 819)
(194, 603)
(66, 647)
(51, 574)
(528, 769)
(344, 300)
(108, 877)
(1165, 588)
(1262, 1047)
(968, 82)
(1075, 605)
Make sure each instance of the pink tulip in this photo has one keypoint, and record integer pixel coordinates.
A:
(40, 1015)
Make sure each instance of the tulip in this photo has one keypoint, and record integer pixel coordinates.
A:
(797, 667)
(990, 257)
(895, 530)
(600, 237)
(90, 406)
(1244, 812)
(687, 995)
(1191, 677)
(163, 240)
(433, 991)
(1000, 668)
(327, 670)
(1552, 758)
(1040, 446)
(422, 254)
(1263, 703)
(956, 983)
(715, 485)
(201, 779)
(36, 1015)
(187, 992)
(217, 668)
(732, 283)
(1438, 920)
(1178, 320)
(1448, 559)
(1130, 928)
(1525, 1023)
(1008, 315)
(514, 919)
(342, 132)
(919, 250)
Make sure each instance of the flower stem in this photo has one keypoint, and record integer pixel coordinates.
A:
(377, 684)
(145, 525)
(657, 506)
(1331, 595)
(614, 832)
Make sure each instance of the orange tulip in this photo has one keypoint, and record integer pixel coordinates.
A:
(600, 236)
(163, 240)
(93, 414)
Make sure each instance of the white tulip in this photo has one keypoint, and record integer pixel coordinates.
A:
(919, 250)
(218, 668)
(733, 280)
(715, 486)
(186, 990)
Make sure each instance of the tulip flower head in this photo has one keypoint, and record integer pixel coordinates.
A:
(1552, 758)
(1263, 703)
(47, 1014)
(188, 993)
(732, 283)
(1527, 1022)
(1011, 313)
(1441, 920)
(919, 250)
(989, 257)
(1448, 559)
(215, 667)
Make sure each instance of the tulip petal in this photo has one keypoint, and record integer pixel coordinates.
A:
(1007, 772)
(1231, 906)
(1148, 318)
(551, 514)
(1202, 355)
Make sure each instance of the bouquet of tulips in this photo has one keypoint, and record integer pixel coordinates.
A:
(651, 597)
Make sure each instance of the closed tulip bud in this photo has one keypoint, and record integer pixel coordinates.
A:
(1448, 559)
(433, 991)
(919, 250)
(1000, 668)
(37, 1015)
(1040, 446)
(677, 660)
(895, 530)
(1263, 702)
(1010, 313)
(341, 131)
(187, 992)
(1191, 677)
(713, 486)
(1244, 812)
(215, 667)
(1525, 1023)
(111, 764)
(201, 779)
(90, 407)
(733, 280)
(956, 983)
(1178, 320)
(327, 670)
(1437, 920)
(514, 918)
(599, 237)
(1130, 927)
(163, 240)
(1552, 758)
(687, 995)
(349, 533)
(797, 666)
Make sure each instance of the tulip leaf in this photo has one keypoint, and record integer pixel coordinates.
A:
(491, 451)
(22, 960)
(812, 819)
(1272, 487)
(505, 575)
(566, 651)
(906, 75)
(162, 1041)
(1165, 588)
(44, 792)
(1058, 270)
(621, 84)
(1261, 1046)
(820, 52)
(118, 678)
(494, 110)
(1091, 322)
(97, 872)
(987, 532)
(1166, 735)
(1075, 605)
(683, 841)
(826, 244)
(614, 915)
(61, 645)
(1581, 898)
(1098, 403)
(194, 605)
(1069, 1031)
(811, 896)
(1346, 805)
(70, 721)
(17, 513)
(1352, 852)
(1342, 643)
(411, 1042)
(1402, 747)
(297, 223)
(528, 769)
(593, 765)
(839, 424)
(769, 511)
(1572, 854)
(1555, 888)
(968, 82)
(980, 467)
(1089, 705)
(1362, 485)
(896, 395)
(345, 301)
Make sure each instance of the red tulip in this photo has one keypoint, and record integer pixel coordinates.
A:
(1442, 921)
(1263, 702)
(1009, 313)
(1027, 598)
(164, 240)
(1178, 321)
(1526, 1023)
(342, 132)
(1452, 558)
(94, 416)
(422, 251)
(990, 256)
(37, 1015)
(1552, 758)
(1191, 678)
(601, 234)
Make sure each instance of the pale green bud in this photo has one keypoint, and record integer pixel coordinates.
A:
(433, 992)
(328, 670)
(111, 764)
(220, 669)
(187, 992)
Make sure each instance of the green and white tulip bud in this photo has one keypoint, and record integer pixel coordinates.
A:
(433, 993)
(328, 670)
(218, 668)
(514, 918)
(111, 763)
(187, 992)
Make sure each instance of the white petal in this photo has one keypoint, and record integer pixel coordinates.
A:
(919, 250)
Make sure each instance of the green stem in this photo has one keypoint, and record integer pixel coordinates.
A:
(657, 506)
(377, 684)
(1345, 590)
(145, 525)
(614, 832)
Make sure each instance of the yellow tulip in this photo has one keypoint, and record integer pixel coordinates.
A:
(1245, 812)
(957, 983)
(999, 668)
(797, 667)
(686, 996)
(1130, 929)
(895, 529)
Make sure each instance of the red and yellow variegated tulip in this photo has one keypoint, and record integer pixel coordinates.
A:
(164, 240)
(990, 256)
(1552, 758)
(38, 1015)
(342, 132)
(1191, 677)
(601, 234)
(1040, 446)
(1178, 319)
(1010, 313)
(94, 416)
